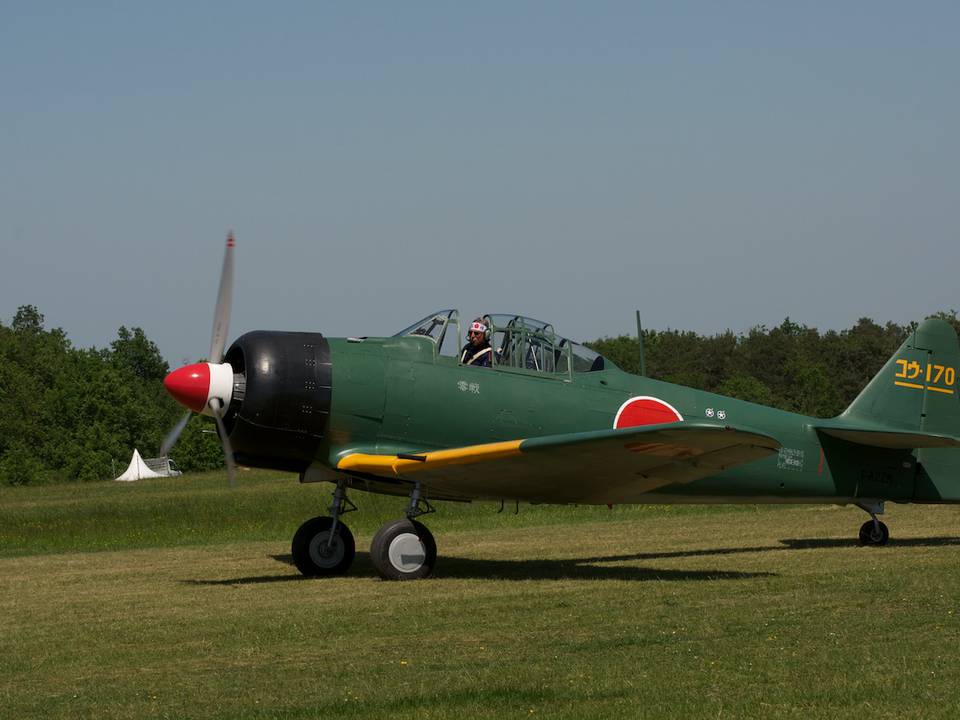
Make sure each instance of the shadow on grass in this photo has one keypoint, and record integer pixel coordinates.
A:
(576, 569)
(592, 568)
(786, 544)
(813, 543)
(543, 569)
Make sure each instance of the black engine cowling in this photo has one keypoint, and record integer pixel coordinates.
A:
(281, 405)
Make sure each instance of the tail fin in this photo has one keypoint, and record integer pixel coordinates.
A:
(912, 403)
(917, 390)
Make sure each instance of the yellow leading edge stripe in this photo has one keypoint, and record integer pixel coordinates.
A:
(379, 464)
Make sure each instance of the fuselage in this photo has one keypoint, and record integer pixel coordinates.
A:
(398, 394)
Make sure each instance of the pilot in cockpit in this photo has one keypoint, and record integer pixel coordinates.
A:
(477, 351)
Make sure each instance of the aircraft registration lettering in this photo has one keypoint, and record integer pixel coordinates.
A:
(938, 378)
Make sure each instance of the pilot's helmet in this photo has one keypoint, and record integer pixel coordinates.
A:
(478, 326)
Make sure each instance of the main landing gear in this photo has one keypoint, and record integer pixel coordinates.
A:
(873, 531)
(401, 550)
(324, 545)
(405, 549)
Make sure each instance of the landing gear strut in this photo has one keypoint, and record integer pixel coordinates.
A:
(324, 545)
(873, 531)
(405, 549)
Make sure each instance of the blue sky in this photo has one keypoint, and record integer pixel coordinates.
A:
(714, 165)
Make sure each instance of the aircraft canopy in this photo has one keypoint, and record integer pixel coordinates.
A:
(518, 341)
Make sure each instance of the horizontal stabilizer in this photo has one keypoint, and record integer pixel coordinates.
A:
(890, 440)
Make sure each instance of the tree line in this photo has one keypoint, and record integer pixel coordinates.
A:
(792, 367)
(74, 414)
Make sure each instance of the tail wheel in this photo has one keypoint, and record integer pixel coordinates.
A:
(315, 554)
(403, 550)
(871, 534)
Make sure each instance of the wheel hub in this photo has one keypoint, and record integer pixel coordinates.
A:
(323, 552)
(406, 552)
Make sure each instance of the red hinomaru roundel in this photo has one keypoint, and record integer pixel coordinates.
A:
(645, 411)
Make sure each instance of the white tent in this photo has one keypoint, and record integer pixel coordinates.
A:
(137, 469)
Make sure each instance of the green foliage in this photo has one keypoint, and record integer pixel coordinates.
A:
(198, 447)
(68, 413)
(133, 352)
(791, 367)
(746, 387)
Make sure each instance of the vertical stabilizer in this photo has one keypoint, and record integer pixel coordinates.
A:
(916, 391)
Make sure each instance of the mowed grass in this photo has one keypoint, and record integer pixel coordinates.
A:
(201, 509)
(176, 598)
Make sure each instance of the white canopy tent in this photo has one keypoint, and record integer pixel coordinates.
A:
(137, 470)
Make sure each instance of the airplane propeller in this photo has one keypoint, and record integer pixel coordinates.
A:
(221, 313)
(207, 388)
(170, 440)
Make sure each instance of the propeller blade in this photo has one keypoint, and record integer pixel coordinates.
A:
(171, 439)
(217, 409)
(221, 315)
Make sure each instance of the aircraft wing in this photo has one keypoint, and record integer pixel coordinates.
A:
(605, 466)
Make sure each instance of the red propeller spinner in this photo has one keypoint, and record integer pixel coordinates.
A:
(194, 386)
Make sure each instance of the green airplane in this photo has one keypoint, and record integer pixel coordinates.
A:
(550, 421)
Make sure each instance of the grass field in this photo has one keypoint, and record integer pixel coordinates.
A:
(176, 599)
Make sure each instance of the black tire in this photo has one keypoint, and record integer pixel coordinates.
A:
(403, 550)
(870, 536)
(311, 553)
